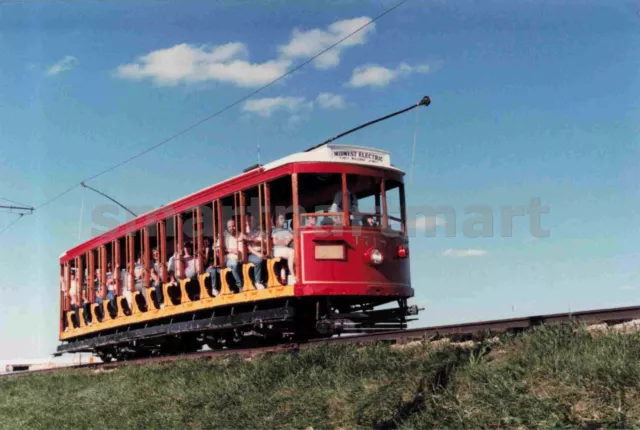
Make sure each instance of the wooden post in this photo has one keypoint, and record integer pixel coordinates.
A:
(102, 254)
(383, 197)
(345, 201)
(267, 216)
(115, 266)
(146, 257)
(67, 282)
(61, 294)
(91, 276)
(242, 244)
(260, 217)
(214, 231)
(296, 225)
(131, 261)
(79, 279)
(220, 249)
(403, 209)
(178, 241)
(162, 249)
(199, 243)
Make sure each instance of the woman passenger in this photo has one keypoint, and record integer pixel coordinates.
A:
(282, 237)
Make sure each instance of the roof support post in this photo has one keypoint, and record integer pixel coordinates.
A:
(296, 224)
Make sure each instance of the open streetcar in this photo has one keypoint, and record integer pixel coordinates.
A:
(307, 246)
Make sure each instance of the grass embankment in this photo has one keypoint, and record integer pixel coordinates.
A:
(545, 378)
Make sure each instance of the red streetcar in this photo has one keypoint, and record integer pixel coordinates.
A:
(306, 246)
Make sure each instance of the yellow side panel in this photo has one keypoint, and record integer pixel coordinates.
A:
(214, 302)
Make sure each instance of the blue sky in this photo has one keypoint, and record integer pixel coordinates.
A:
(530, 100)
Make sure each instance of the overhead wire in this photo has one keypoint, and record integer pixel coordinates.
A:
(13, 201)
(11, 223)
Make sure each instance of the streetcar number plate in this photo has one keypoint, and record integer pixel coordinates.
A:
(330, 252)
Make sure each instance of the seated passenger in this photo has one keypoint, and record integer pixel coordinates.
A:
(207, 253)
(110, 288)
(72, 296)
(155, 272)
(370, 221)
(311, 221)
(86, 306)
(282, 237)
(336, 206)
(73, 289)
(190, 261)
(137, 279)
(255, 241)
(232, 249)
(208, 264)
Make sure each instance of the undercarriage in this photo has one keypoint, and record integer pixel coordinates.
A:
(246, 326)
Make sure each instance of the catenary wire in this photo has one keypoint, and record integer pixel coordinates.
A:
(11, 223)
(14, 202)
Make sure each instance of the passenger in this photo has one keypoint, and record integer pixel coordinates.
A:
(110, 287)
(282, 237)
(312, 221)
(210, 269)
(255, 241)
(336, 206)
(72, 296)
(138, 277)
(188, 262)
(86, 306)
(370, 221)
(232, 250)
(155, 273)
(73, 290)
(207, 253)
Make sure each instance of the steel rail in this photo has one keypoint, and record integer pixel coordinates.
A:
(460, 331)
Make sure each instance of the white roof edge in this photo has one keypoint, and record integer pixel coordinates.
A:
(332, 153)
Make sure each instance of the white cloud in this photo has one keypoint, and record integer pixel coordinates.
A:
(185, 63)
(266, 106)
(629, 288)
(67, 63)
(310, 42)
(378, 76)
(188, 64)
(464, 252)
(330, 101)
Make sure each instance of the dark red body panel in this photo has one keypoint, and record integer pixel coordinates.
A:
(353, 275)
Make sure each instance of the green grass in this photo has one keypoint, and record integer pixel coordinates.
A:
(547, 378)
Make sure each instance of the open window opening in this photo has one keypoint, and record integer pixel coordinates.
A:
(317, 193)
(394, 191)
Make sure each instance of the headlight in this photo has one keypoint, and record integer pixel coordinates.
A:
(374, 256)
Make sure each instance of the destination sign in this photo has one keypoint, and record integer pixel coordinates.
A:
(360, 155)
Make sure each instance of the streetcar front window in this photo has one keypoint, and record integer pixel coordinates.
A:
(322, 201)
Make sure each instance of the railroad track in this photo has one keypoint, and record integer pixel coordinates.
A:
(456, 332)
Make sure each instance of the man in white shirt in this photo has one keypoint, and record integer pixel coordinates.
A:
(232, 250)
